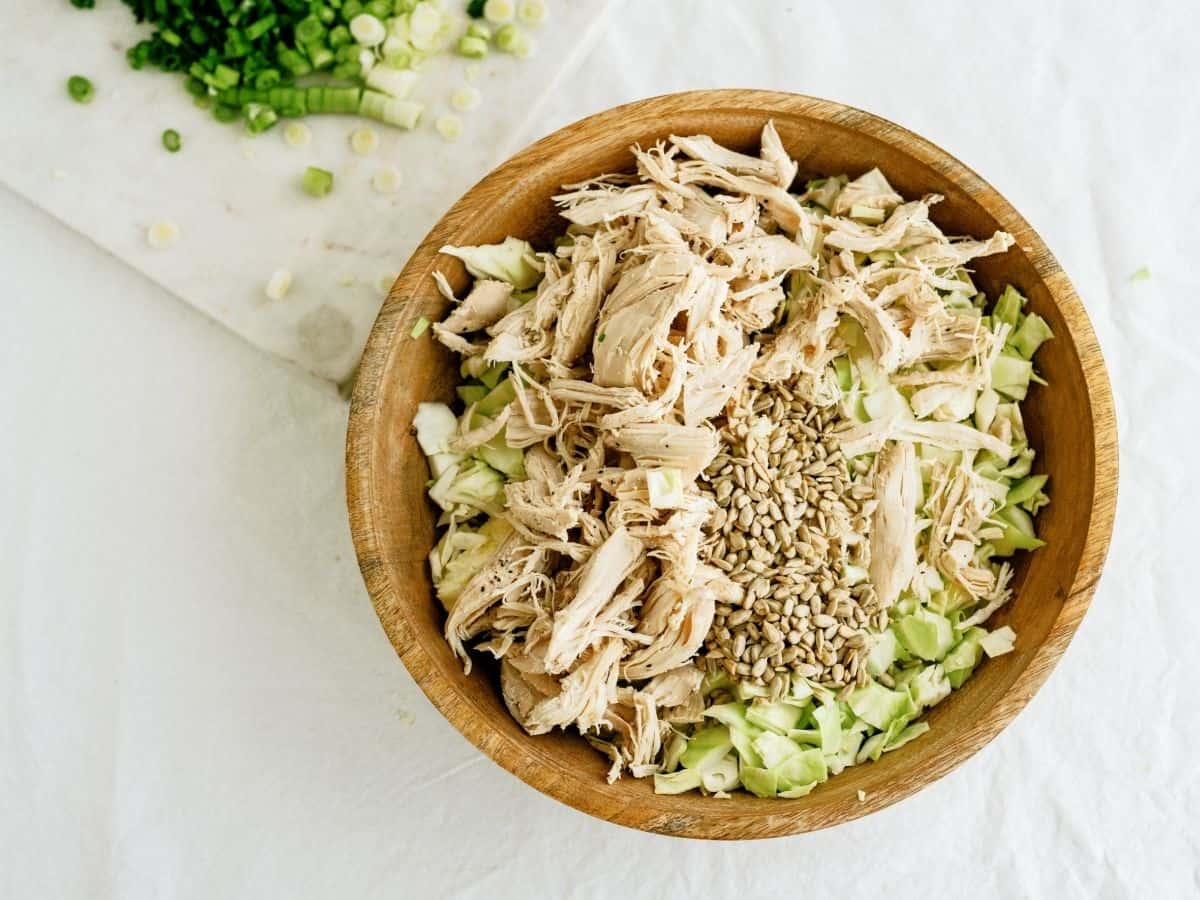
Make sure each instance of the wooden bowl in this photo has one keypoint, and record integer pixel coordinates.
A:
(1070, 423)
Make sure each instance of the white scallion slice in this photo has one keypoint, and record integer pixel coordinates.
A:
(162, 234)
(297, 134)
(465, 98)
(279, 284)
(364, 141)
(498, 11)
(387, 180)
(532, 12)
(449, 126)
(367, 30)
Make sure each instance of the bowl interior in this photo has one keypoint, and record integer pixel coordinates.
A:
(1069, 423)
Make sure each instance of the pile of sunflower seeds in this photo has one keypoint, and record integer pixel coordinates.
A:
(792, 527)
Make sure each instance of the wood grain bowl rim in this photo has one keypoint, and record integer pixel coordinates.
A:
(788, 817)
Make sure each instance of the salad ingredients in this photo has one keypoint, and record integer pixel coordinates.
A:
(736, 468)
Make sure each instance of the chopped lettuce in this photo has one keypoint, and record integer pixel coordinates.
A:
(1030, 334)
(706, 747)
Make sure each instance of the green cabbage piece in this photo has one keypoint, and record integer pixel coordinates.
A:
(474, 484)
(512, 261)
(741, 732)
(1028, 493)
(998, 642)
(1008, 307)
(706, 747)
(779, 717)
(462, 553)
(882, 655)
(757, 780)
(926, 634)
(828, 719)
(1030, 334)
(904, 735)
(878, 706)
(723, 776)
(929, 686)
(471, 393)
(1011, 375)
(497, 454)
(677, 782)
(962, 660)
(1018, 531)
(435, 424)
(499, 397)
(665, 487)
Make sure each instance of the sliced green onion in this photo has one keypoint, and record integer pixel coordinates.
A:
(449, 126)
(397, 83)
(363, 141)
(389, 110)
(80, 89)
(223, 112)
(297, 134)
(532, 12)
(367, 30)
(472, 47)
(162, 234)
(171, 140)
(419, 328)
(317, 182)
(387, 180)
(320, 56)
(309, 29)
(475, 8)
(510, 39)
(479, 30)
(465, 98)
(259, 118)
(339, 36)
(497, 11)
(279, 284)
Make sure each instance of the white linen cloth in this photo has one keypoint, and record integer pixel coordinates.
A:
(197, 701)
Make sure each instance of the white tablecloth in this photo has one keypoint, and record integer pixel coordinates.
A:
(197, 701)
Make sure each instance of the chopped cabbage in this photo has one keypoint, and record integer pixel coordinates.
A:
(512, 261)
(435, 424)
(926, 634)
(666, 488)
(998, 642)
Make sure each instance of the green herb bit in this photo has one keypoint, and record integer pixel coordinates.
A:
(171, 140)
(419, 328)
(80, 89)
(317, 182)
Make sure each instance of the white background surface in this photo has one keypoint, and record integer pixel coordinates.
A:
(197, 701)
